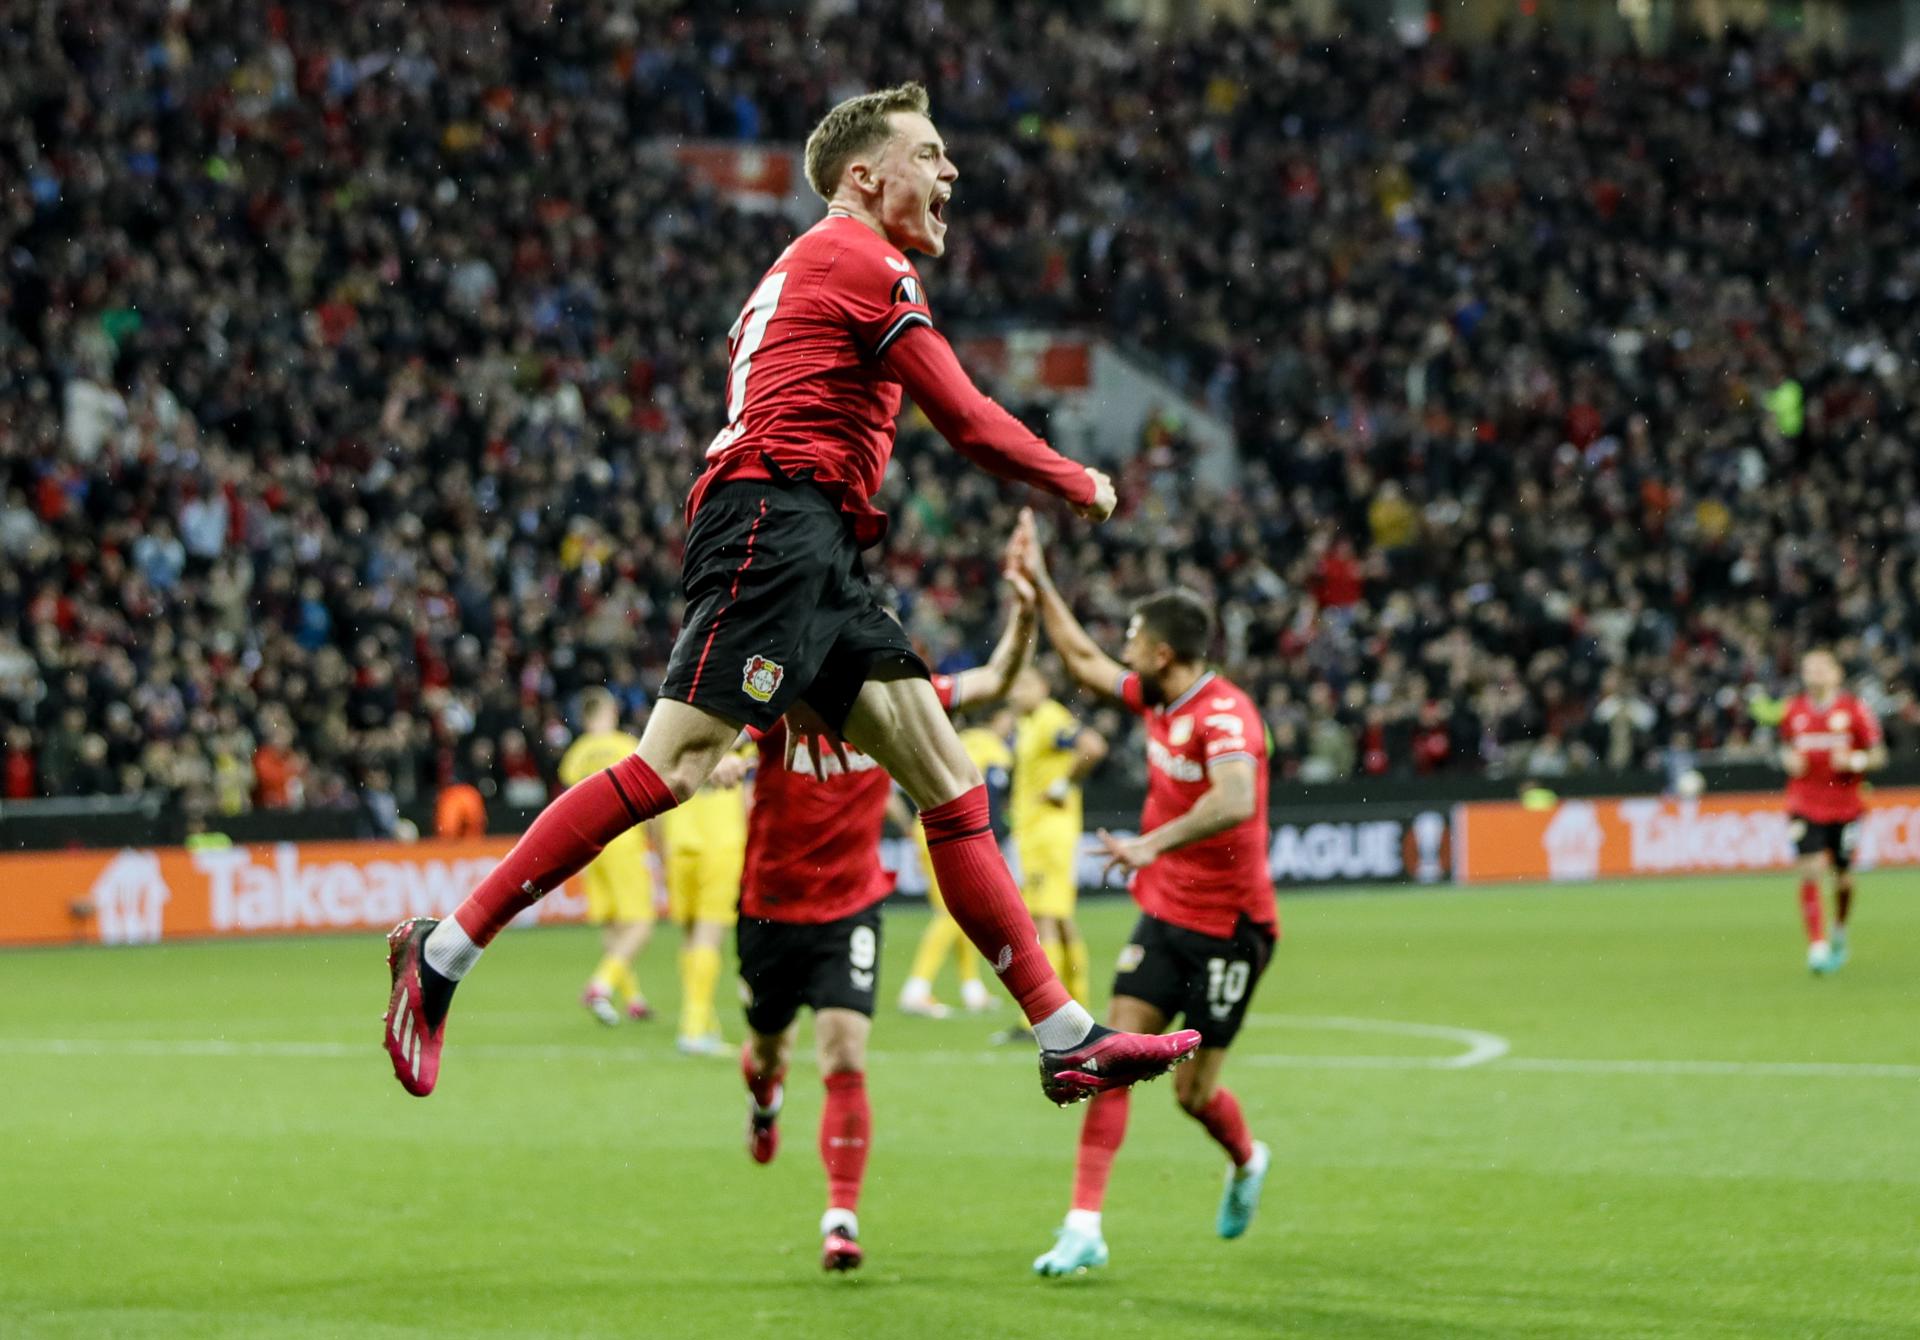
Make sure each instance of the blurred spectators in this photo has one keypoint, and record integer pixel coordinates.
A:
(355, 361)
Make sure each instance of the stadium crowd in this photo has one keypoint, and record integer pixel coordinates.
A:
(355, 362)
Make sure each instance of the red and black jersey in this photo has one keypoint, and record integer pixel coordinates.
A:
(818, 361)
(1205, 886)
(813, 836)
(1828, 792)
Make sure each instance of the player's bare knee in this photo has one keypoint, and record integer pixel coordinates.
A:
(840, 1041)
(1192, 1089)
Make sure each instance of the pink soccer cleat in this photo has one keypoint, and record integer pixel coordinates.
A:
(763, 1124)
(416, 1018)
(1112, 1060)
(840, 1250)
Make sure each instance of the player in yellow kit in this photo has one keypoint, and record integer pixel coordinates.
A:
(705, 841)
(619, 885)
(987, 747)
(1052, 755)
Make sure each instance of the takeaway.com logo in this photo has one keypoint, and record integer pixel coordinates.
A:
(285, 893)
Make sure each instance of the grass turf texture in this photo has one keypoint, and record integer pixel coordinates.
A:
(182, 1171)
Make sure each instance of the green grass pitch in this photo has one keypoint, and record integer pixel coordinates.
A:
(1687, 1136)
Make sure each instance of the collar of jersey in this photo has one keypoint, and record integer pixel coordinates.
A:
(1187, 697)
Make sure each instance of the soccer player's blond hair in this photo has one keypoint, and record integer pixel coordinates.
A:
(855, 127)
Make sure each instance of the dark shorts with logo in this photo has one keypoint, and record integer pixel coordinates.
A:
(829, 965)
(1837, 840)
(1204, 979)
(778, 608)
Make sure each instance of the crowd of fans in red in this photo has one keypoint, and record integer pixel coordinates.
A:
(355, 362)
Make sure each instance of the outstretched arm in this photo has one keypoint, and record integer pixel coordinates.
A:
(992, 681)
(985, 433)
(1084, 660)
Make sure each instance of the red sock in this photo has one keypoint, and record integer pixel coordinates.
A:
(1810, 909)
(846, 1124)
(1100, 1137)
(567, 835)
(1224, 1123)
(764, 1088)
(984, 900)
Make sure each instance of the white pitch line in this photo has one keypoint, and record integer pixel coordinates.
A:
(1481, 1048)
(356, 1051)
(1781, 1069)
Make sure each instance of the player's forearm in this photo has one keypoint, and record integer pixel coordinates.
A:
(1088, 751)
(994, 680)
(1084, 660)
(1217, 810)
(978, 428)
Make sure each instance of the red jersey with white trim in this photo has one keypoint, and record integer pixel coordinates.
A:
(1827, 792)
(1205, 886)
(813, 835)
(806, 388)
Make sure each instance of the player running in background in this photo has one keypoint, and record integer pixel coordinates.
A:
(781, 621)
(1829, 742)
(986, 746)
(1199, 868)
(1052, 755)
(619, 885)
(706, 842)
(809, 935)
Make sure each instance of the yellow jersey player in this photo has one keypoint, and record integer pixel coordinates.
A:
(619, 885)
(706, 846)
(1052, 755)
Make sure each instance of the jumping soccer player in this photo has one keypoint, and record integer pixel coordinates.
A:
(809, 935)
(706, 843)
(1199, 868)
(781, 621)
(1829, 742)
(619, 886)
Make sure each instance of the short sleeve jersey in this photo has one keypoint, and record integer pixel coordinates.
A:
(1043, 755)
(813, 837)
(1828, 792)
(807, 394)
(593, 752)
(1205, 886)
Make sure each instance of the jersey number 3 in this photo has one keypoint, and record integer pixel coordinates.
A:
(747, 333)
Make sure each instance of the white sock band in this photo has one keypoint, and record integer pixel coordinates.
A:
(1084, 1221)
(843, 1220)
(1066, 1027)
(450, 952)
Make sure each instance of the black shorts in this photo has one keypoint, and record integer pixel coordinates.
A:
(830, 965)
(1207, 980)
(1811, 837)
(778, 608)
